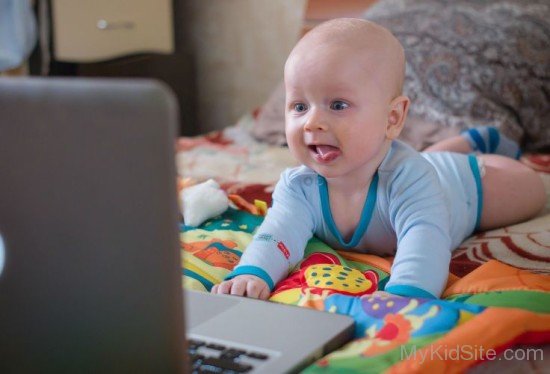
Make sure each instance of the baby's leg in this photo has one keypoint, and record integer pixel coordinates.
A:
(485, 139)
(455, 144)
(512, 192)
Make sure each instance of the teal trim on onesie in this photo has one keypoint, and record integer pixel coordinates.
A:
(409, 291)
(472, 159)
(252, 270)
(366, 214)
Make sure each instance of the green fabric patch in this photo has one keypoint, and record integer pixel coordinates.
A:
(534, 301)
(231, 219)
(356, 363)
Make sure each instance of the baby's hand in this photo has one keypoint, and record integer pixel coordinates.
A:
(244, 285)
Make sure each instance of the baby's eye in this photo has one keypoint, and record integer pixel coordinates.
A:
(339, 105)
(300, 107)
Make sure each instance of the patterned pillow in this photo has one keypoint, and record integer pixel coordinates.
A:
(472, 62)
(270, 124)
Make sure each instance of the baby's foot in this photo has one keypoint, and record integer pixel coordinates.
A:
(488, 139)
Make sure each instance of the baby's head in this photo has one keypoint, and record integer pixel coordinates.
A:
(343, 84)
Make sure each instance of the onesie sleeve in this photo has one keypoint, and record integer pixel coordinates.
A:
(420, 217)
(279, 242)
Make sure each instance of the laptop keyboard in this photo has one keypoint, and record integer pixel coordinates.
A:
(218, 358)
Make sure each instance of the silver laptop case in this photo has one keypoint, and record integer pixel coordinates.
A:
(88, 215)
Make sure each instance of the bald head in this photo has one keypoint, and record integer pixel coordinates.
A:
(372, 45)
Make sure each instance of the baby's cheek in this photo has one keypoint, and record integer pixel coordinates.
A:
(296, 145)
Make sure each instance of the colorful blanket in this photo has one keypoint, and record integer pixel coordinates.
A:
(497, 295)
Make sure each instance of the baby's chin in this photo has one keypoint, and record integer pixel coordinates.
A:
(326, 171)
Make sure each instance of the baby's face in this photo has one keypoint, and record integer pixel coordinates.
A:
(337, 104)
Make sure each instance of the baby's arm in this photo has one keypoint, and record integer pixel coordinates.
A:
(420, 217)
(277, 246)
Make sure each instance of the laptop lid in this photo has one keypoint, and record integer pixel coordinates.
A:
(91, 279)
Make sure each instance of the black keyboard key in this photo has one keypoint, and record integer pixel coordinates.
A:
(228, 356)
(257, 356)
(211, 364)
(196, 342)
(236, 351)
(194, 358)
(231, 354)
(194, 345)
(217, 347)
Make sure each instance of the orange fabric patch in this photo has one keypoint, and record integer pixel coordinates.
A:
(496, 276)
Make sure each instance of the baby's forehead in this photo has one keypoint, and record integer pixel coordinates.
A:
(331, 59)
(348, 43)
(352, 32)
(354, 39)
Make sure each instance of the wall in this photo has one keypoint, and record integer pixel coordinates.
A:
(239, 49)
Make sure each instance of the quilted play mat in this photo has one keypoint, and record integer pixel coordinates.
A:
(497, 295)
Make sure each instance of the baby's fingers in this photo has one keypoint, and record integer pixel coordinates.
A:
(239, 287)
(223, 287)
(254, 289)
(264, 295)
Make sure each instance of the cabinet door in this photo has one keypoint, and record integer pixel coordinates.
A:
(96, 30)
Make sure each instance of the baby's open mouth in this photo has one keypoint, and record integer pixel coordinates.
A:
(324, 152)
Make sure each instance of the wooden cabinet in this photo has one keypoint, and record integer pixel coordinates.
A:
(141, 38)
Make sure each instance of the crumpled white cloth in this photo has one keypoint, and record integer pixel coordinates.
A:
(202, 201)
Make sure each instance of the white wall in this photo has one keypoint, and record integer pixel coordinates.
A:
(239, 49)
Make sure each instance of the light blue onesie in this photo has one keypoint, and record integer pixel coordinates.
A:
(419, 207)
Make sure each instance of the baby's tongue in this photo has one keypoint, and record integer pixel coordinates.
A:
(328, 152)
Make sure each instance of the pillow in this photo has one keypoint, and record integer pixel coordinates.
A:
(270, 125)
(472, 63)
(469, 63)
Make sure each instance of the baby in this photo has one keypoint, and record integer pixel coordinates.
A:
(360, 189)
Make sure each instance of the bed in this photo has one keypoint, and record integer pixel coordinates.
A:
(499, 275)
(494, 314)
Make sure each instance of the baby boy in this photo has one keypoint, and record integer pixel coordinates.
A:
(359, 189)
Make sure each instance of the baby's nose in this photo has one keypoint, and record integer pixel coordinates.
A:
(315, 123)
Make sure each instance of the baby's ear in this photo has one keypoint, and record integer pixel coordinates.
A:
(396, 116)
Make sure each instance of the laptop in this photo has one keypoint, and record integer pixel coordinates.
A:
(90, 267)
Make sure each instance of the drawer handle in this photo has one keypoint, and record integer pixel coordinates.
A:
(103, 24)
